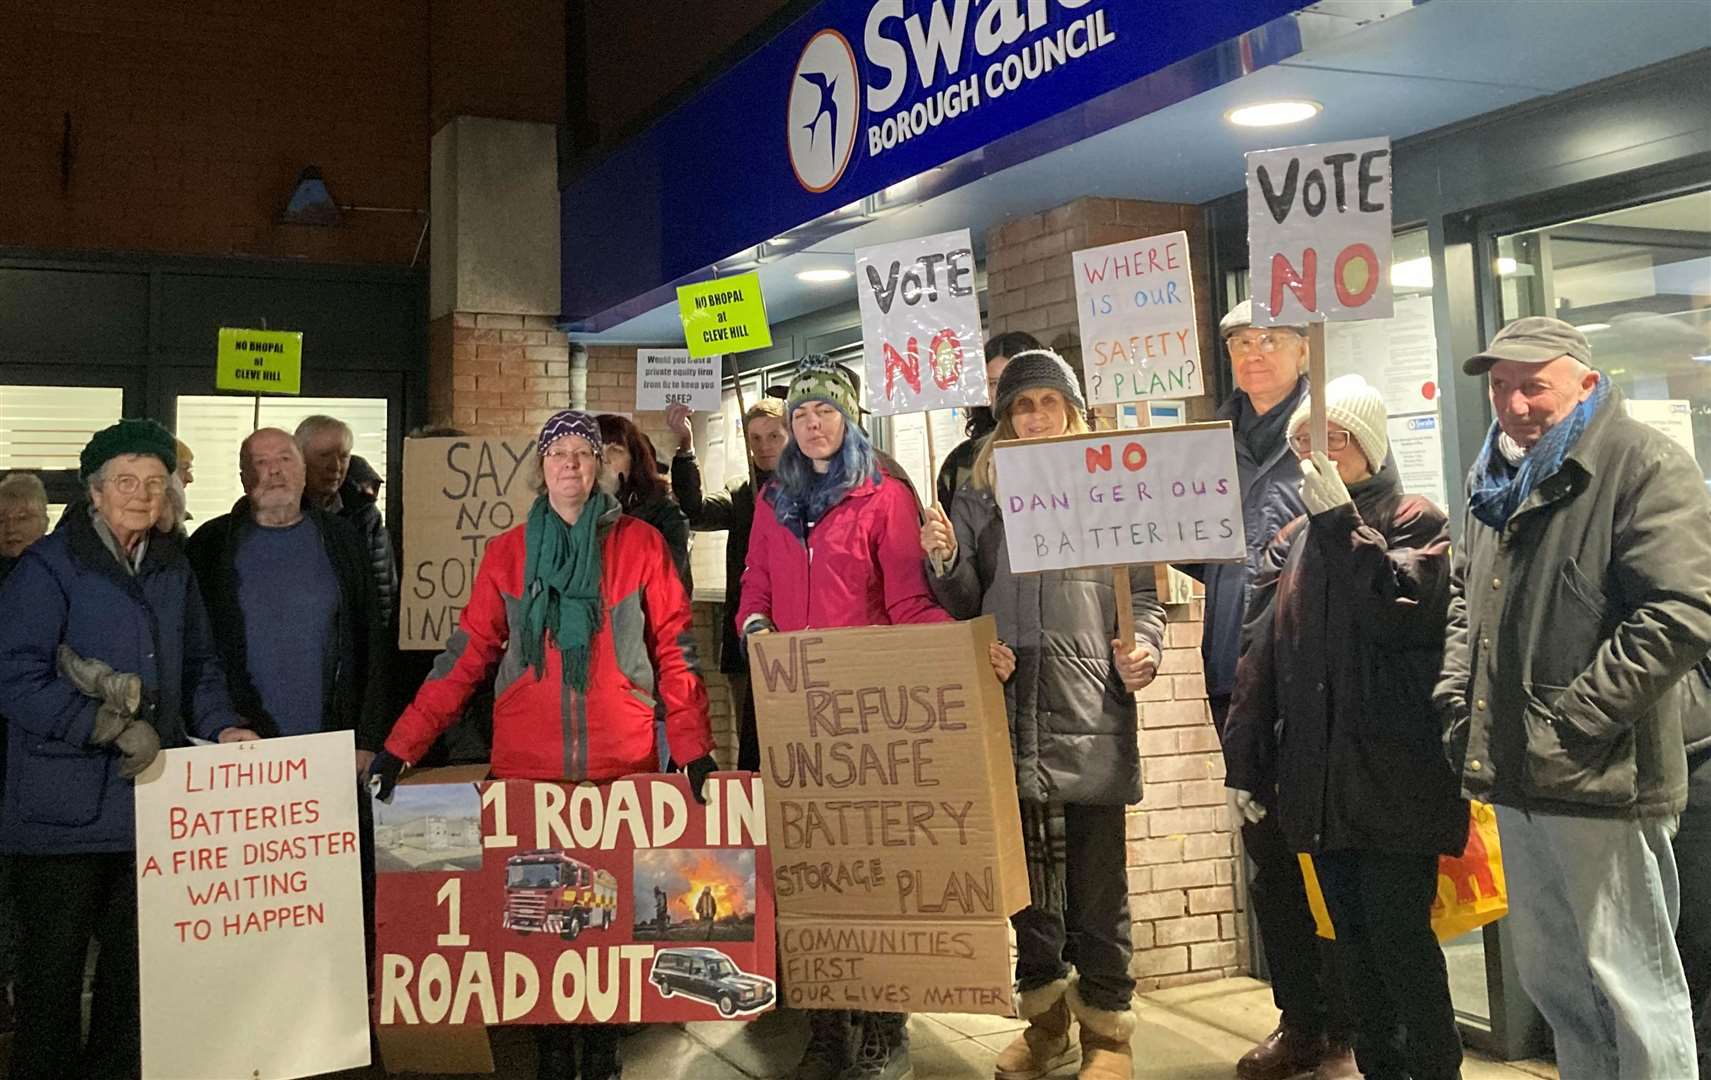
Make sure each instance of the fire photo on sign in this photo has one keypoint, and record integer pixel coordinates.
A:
(429, 828)
(694, 894)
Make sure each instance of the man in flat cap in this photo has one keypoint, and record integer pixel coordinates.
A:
(1581, 596)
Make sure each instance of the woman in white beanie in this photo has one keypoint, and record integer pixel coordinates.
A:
(1333, 712)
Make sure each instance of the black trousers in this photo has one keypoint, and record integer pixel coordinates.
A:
(1092, 933)
(1693, 931)
(1306, 985)
(62, 901)
(1381, 906)
(748, 731)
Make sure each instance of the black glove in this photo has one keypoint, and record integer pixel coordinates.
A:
(383, 775)
(138, 745)
(698, 771)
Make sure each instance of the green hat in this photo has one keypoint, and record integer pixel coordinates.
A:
(128, 437)
(819, 379)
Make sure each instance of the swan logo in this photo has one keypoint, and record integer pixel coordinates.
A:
(824, 111)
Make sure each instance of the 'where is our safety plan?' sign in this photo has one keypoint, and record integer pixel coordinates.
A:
(1117, 498)
(1138, 334)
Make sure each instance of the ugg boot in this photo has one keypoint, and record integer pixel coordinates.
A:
(1105, 1035)
(1044, 1046)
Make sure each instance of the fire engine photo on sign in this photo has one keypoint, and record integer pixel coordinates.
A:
(551, 892)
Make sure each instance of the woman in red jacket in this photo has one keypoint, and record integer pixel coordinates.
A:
(836, 542)
(581, 619)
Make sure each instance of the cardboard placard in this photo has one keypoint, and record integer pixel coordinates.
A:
(673, 377)
(259, 361)
(1139, 337)
(247, 862)
(725, 315)
(522, 902)
(459, 493)
(920, 325)
(891, 805)
(1150, 495)
(1319, 232)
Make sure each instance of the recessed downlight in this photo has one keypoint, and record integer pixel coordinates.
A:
(824, 275)
(1274, 113)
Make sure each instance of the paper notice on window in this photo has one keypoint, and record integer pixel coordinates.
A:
(1672, 416)
(1416, 442)
(1399, 355)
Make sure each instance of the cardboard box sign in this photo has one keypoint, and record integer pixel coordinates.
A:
(517, 902)
(891, 807)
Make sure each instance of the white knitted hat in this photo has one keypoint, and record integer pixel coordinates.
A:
(1358, 407)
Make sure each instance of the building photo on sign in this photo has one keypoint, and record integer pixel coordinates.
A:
(891, 806)
(1139, 338)
(1319, 232)
(920, 323)
(626, 902)
(1113, 499)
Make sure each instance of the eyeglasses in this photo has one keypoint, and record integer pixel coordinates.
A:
(560, 456)
(1334, 441)
(1265, 343)
(128, 485)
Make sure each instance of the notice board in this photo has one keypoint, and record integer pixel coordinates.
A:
(892, 811)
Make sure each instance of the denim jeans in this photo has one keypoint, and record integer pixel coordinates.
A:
(1592, 912)
(1092, 934)
(1693, 932)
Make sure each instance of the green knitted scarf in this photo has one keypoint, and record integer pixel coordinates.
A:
(561, 587)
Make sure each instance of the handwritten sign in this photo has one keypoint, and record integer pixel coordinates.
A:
(673, 377)
(920, 323)
(249, 896)
(459, 493)
(259, 361)
(515, 902)
(725, 315)
(891, 804)
(1117, 498)
(1138, 333)
(1319, 232)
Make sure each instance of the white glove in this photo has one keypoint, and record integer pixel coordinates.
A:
(1321, 488)
(1244, 808)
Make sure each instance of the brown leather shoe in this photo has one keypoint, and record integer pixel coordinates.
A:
(1282, 1054)
(1337, 1063)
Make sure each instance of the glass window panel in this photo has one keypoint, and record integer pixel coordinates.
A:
(214, 426)
(47, 427)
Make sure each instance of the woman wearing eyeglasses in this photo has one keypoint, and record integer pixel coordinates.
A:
(105, 658)
(1333, 708)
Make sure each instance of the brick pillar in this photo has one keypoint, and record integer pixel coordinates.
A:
(1182, 860)
(494, 374)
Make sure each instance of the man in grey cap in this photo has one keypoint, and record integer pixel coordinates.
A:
(1581, 595)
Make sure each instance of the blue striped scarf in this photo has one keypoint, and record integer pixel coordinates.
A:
(1499, 488)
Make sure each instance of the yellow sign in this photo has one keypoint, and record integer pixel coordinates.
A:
(725, 315)
(260, 361)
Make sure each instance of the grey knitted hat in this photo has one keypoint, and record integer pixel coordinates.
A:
(1037, 369)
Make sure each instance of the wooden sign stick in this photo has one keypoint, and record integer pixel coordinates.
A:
(1316, 385)
(932, 479)
(742, 425)
(1120, 582)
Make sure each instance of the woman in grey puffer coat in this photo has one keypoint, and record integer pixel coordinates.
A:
(1071, 707)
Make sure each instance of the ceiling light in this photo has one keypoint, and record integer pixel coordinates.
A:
(824, 275)
(1274, 113)
(1587, 328)
(311, 203)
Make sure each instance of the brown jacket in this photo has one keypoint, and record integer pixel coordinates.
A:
(1570, 630)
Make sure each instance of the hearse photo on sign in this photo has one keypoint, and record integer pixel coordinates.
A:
(709, 975)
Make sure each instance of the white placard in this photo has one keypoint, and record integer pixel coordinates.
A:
(249, 910)
(673, 377)
(1319, 232)
(920, 325)
(1417, 445)
(1138, 333)
(1114, 498)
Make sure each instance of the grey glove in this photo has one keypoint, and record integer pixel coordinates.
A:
(137, 746)
(121, 695)
(1322, 487)
(1244, 808)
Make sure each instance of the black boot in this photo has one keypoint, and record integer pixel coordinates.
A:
(600, 1053)
(555, 1052)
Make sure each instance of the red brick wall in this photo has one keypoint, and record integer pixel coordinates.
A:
(1181, 859)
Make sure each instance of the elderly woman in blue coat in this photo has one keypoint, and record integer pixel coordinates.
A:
(105, 658)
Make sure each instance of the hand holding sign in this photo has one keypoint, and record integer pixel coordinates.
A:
(677, 422)
(938, 539)
(1136, 665)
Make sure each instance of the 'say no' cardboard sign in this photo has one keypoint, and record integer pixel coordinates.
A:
(544, 903)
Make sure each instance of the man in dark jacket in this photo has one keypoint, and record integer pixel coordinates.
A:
(1268, 364)
(1581, 594)
(326, 443)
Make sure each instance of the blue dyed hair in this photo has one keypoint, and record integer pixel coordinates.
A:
(800, 495)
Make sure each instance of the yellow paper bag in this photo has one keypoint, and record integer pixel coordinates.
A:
(1471, 887)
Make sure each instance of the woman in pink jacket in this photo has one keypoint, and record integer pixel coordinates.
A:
(836, 542)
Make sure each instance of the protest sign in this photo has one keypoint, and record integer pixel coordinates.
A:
(523, 902)
(459, 493)
(249, 899)
(725, 315)
(259, 361)
(920, 325)
(1319, 232)
(1151, 495)
(1138, 333)
(891, 805)
(673, 377)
